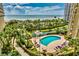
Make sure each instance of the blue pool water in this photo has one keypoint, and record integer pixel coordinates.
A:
(48, 39)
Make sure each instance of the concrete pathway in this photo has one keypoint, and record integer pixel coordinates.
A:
(19, 49)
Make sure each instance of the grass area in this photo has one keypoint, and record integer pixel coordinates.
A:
(45, 30)
(29, 33)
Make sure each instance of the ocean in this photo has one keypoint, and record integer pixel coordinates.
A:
(30, 17)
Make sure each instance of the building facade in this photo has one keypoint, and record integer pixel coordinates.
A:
(73, 17)
(2, 23)
(67, 11)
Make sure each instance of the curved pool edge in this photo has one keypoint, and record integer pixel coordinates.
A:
(51, 41)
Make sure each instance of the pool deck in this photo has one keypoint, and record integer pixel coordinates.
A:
(51, 46)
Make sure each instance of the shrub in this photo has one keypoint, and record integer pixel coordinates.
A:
(29, 44)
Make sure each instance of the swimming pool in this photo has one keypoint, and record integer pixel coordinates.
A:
(48, 39)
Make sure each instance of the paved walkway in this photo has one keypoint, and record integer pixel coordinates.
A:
(19, 49)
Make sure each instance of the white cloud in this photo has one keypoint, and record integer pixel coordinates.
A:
(29, 10)
(46, 8)
(49, 10)
(14, 10)
(19, 10)
(17, 6)
(28, 7)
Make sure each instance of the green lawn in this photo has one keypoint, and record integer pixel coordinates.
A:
(45, 30)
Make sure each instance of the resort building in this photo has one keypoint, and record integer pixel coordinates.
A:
(73, 17)
(2, 23)
(67, 11)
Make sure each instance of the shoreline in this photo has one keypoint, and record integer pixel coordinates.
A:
(7, 20)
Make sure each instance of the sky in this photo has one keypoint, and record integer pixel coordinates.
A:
(33, 8)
